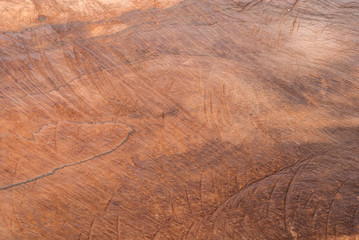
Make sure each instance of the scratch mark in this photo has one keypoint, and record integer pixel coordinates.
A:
(279, 38)
(169, 89)
(293, 25)
(187, 198)
(55, 137)
(300, 164)
(307, 202)
(286, 197)
(270, 197)
(251, 5)
(331, 207)
(91, 228)
(353, 219)
(53, 171)
(189, 229)
(290, 183)
(293, 6)
(108, 204)
(200, 193)
(118, 228)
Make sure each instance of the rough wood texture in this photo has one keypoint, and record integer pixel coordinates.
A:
(201, 119)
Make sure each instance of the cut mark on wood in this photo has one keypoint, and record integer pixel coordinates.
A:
(53, 171)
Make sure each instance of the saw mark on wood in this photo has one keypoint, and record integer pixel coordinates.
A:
(53, 171)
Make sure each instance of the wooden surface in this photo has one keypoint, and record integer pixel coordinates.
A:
(201, 119)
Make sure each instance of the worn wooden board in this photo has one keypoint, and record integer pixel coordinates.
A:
(195, 119)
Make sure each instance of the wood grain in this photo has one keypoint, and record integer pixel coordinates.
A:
(186, 119)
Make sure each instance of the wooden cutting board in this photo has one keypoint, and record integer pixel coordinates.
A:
(194, 119)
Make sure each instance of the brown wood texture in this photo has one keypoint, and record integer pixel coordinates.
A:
(195, 119)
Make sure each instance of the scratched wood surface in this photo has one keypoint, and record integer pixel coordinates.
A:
(195, 119)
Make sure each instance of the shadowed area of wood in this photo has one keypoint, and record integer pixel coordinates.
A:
(195, 119)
